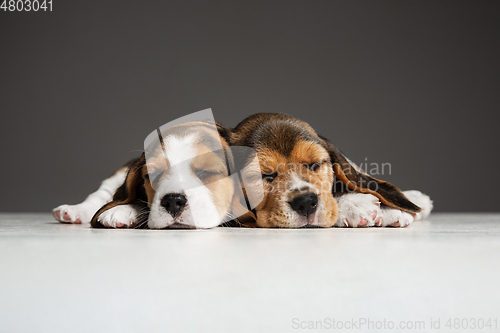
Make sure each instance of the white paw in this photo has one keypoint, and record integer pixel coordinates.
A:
(421, 200)
(120, 216)
(395, 218)
(80, 213)
(358, 210)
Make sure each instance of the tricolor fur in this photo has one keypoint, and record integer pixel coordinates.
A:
(184, 183)
(305, 176)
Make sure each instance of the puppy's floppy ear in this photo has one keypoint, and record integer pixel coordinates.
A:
(237, 158)
(130, 191)
(358, 181)
(224, 131)
(242, 216)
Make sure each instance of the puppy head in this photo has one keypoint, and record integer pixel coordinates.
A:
(185, 178)
(297, 177)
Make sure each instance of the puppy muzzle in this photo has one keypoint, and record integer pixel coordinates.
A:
(305, 204)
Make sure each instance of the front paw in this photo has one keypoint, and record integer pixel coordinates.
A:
(73, 213)
(391, 217)
(122, 216)
(358, 210)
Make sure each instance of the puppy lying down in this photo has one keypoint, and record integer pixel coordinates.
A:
(192, 176)
(308, 181)
(184, 179)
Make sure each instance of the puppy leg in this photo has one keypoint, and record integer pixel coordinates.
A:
(396, 218)
(358, 210)
(361, 210)
(121, 216)
(83, 212)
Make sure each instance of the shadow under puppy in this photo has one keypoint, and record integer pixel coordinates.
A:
(308, 181)
(181, 181)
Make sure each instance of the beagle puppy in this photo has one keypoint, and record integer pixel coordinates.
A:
(308, 181)
(182, 180)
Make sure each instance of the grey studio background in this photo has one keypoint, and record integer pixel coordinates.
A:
(411, 83)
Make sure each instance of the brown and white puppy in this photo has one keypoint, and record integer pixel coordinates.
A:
(307, 179)
(181, 181)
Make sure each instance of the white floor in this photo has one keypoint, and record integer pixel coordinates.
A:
(70, 278)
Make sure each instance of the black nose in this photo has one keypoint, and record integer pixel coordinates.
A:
(174, 203)
(305, 204)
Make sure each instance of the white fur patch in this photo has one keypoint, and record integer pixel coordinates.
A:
(180, 149)
(120, 216)
(395, 218)
(297, 184)
(353, 207)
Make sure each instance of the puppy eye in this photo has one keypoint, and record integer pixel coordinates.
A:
(204, 174)
(313, 166)
(146, 176)
(269, 176)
